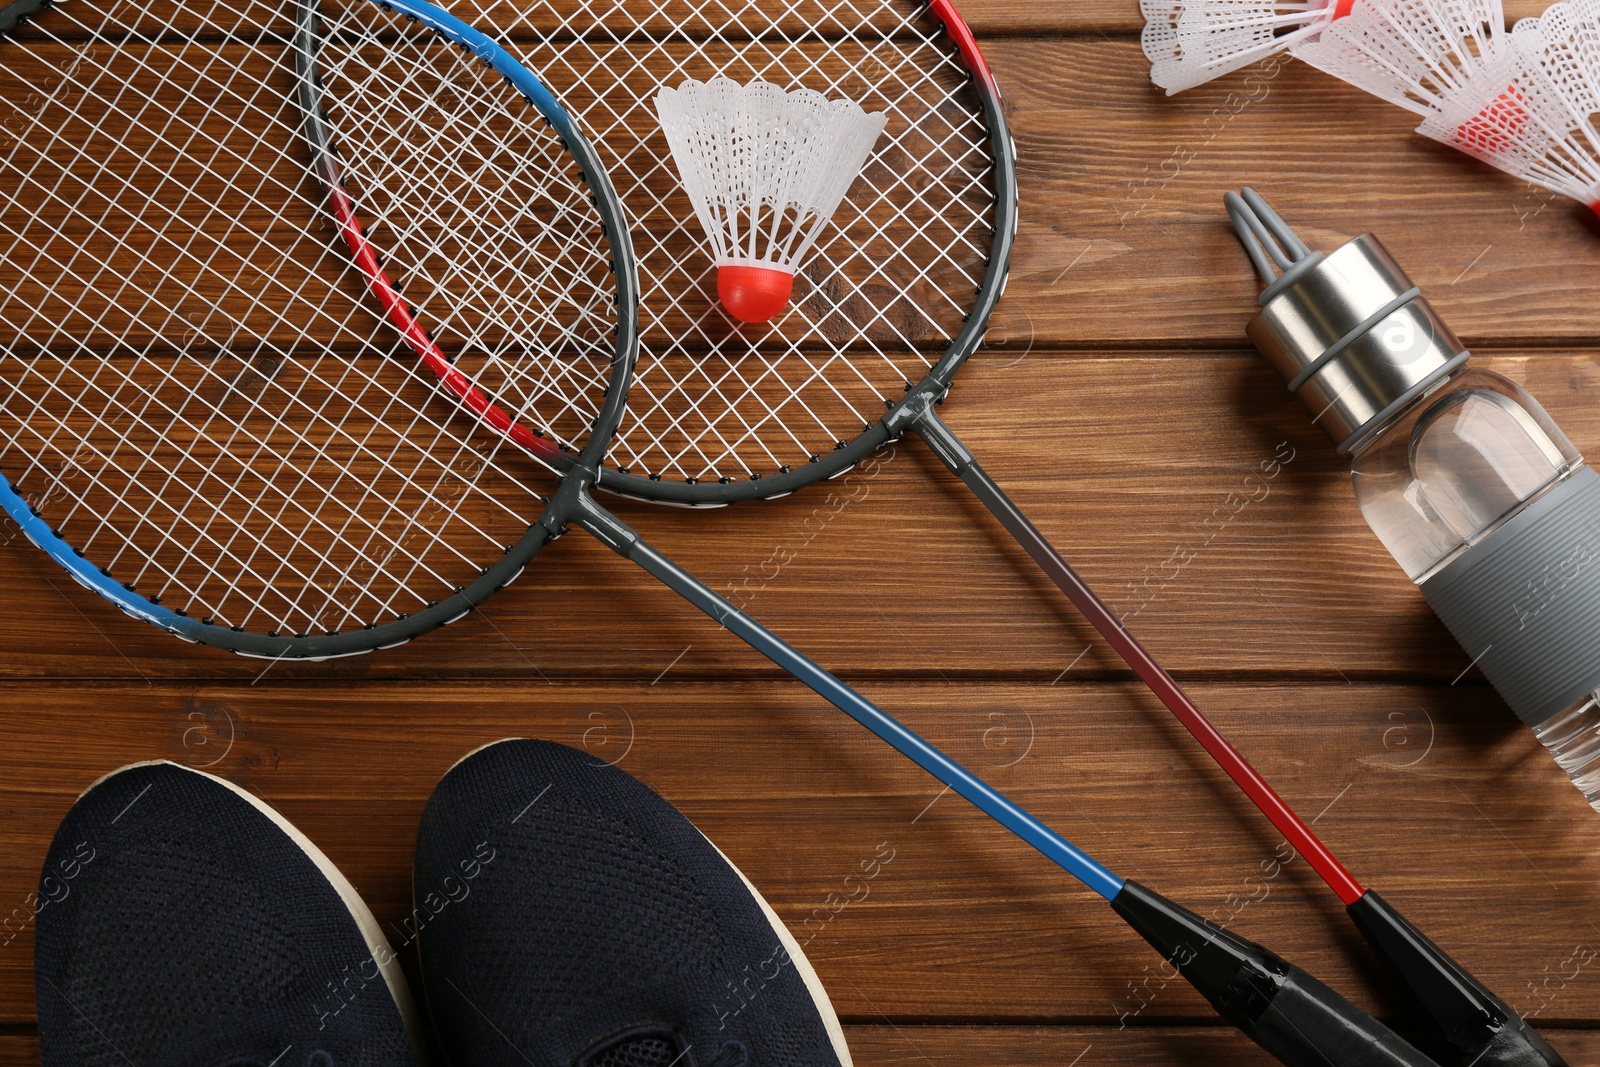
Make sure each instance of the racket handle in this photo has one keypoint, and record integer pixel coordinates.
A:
(1473, 1025)
(1281, 1008)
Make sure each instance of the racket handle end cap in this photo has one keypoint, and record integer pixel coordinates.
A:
(1293, 1016)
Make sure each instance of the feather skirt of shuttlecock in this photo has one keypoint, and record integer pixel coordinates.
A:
(1189, 42)
(1409, 52)
(1532, 111)
(765, 170)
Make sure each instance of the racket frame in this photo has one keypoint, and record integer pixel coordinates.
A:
(899, 416)
(17, 12)
(461, 601)
(892, 425)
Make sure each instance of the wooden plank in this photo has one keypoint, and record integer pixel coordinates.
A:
(990, 19)
(246, 492)
(1121, 196)
(895, 569)
(909, 1044)
(1109, 17)
(1026, 1046)
(1432, 795)
(199, 227)
(199, 222)
(696, 19)
(1096, 1046)
(699, 19)
(1015, 1046)
(234, 216)
(1124, 236)
(1119, 403)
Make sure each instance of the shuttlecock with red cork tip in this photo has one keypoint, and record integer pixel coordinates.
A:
(1524, 101)
(765, 170)
(1534, 115)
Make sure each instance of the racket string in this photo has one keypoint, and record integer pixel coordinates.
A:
(163, 433)
(571, 374)
(199, 394)
(196, 535)
(886, 289)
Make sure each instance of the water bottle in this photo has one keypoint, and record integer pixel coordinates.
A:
(1465, 479)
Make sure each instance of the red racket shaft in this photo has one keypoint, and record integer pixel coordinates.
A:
(1160, 682)
(405, 321)
(1474, 1027)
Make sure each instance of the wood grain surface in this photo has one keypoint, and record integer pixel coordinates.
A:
(1118, 401)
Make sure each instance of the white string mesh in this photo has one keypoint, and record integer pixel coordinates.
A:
(196, 388)
(890, 279)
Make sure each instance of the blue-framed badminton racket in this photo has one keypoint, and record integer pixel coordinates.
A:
(260, 261)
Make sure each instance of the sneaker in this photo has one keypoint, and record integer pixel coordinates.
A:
(183, 922)
(567, 916)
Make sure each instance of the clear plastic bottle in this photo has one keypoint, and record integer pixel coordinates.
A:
(1465, 479)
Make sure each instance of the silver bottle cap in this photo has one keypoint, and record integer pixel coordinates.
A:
(1348, 330)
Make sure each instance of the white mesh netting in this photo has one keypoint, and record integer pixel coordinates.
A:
(196, 388)
(891, 277)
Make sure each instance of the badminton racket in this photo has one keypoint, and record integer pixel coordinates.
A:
(1310, 1022)
(894, 298)
(261, 258)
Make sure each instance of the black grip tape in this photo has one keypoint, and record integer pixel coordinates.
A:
(1471, 1025)
(1281, 1008)
(1308, 1023)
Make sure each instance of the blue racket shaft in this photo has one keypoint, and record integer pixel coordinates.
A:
(1284, 1010)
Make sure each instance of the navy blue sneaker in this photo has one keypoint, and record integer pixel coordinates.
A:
(567, 916)
(183, 922)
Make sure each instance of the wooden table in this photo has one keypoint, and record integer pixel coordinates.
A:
(1119, 402)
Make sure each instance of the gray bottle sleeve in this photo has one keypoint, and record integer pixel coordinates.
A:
(1525, 601)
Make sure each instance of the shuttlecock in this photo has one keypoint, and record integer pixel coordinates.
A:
(765, 170)
(1533, 113)
(1414, 53)
(1192, 41)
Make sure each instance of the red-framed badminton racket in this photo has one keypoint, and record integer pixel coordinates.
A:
(893, 299)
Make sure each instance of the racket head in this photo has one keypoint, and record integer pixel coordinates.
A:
(898, 291)
(206, 417)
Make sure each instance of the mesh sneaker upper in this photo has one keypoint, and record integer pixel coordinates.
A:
(602, 910)
(193, 930)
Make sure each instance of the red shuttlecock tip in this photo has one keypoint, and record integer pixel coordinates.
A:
(753, 294)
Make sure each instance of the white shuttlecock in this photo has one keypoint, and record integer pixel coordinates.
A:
(1189, 42)
(765, 170)
(1413, 53)
(1533, 113)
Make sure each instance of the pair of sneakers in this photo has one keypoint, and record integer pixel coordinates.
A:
(564, 916)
